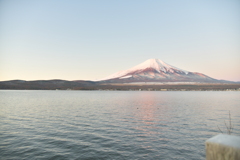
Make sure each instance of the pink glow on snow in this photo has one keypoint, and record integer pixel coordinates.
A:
(155, 64)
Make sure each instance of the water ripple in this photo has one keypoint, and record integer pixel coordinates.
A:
(112, 125)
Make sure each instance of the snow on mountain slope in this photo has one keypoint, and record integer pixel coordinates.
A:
(155, 70)
(155, 64)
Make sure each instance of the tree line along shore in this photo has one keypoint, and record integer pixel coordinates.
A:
(89, 85)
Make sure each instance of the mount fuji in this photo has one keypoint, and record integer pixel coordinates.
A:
(153, 73)
(155, 70)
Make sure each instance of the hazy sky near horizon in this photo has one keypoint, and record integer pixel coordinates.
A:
(91, 39)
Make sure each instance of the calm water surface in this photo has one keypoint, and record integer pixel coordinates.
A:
(112, 125)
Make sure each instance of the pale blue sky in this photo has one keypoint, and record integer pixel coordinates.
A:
(91, 39)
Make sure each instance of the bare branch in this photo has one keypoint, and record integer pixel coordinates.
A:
(226, 127)
(229, 127)
(220, 129)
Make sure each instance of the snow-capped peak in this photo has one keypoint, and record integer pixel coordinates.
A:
(154, 64)
(158, 65)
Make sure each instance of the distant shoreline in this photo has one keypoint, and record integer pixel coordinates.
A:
(89, 85)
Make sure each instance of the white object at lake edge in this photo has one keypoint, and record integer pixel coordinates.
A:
(223, 147)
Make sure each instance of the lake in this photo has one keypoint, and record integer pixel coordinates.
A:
(113, 124)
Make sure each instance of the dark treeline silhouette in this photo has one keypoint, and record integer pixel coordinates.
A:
(89, 85)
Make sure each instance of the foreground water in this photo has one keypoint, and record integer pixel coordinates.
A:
(112, 125)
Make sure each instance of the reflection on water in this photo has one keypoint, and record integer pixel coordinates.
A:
(112, 125)
(146, 103)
